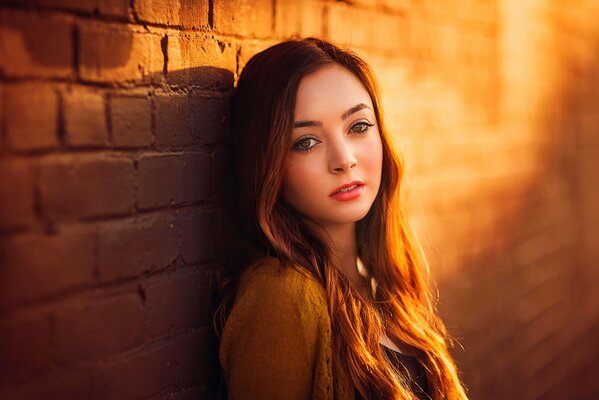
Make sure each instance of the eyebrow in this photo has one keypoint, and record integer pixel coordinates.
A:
(345, 115)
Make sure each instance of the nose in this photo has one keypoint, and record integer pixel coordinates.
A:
(342, 158)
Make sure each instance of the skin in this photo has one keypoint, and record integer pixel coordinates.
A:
(341, 150)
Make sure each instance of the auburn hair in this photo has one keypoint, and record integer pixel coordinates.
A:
(262, 115)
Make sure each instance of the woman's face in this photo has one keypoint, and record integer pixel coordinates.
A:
(335, 141)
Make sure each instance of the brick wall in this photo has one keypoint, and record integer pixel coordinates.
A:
(114, 182)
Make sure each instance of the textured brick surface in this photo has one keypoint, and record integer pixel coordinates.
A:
(223, 188)
(200, 60)
(2, 113)
(118, 53)
(37, 108)
(25, 347)
(136, 377)
(96, 329)
(170, 180)
(187, 120)
(29, 259)
(35, 45)
(126, 249)
(85, 118)
(131, 121)
(173, 12)
(298, 18)
(16, 194)
(362, 28)
(74, 188)
(190, 350)
(196, 225)
(173, 120)
(115, 183)
(243, 17)
(117, 8)
(177, 304)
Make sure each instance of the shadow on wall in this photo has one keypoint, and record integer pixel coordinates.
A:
(112, 233)
(110, 241)
(526, 311)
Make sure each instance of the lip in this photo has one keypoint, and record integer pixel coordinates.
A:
(352, 194)
(346, 185)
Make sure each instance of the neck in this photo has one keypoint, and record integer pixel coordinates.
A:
(342, 240)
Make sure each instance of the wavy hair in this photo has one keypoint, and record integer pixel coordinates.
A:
(262, 116)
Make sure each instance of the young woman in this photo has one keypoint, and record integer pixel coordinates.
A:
(326, 298)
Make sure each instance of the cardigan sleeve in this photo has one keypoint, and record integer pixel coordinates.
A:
(272, 340)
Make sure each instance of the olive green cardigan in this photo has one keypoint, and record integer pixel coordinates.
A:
(276, 343)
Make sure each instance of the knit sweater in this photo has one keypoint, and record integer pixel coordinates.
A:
(276, 343)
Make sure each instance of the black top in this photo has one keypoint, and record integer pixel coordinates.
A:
(411, 369)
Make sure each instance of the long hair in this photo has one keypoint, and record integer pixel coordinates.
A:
(262, 116)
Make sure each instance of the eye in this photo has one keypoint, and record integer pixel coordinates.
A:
(361, 127)
(303, 144)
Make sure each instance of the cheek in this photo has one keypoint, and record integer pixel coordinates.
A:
(372, 156)
(300, 179)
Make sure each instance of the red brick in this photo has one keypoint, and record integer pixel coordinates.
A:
(35, 265)
(85, 118)
(109, 52)
(72, 188)
(394, 27)
(173, 121)
(131, 121)
(25, 347)
(55, 384)
(170, 180)
(136, 377)
(195, 351)
(183, 120)
(200, 60)
(16, 194)
(34, 124)
(209, 119)
(249, 48)
(188, 393)
(396, 5)
(422, 37)
(221, 224)
(588, 172)
(177, 303)
(2, 144)
(589, 123)
(35, 45)
(173, 12)
(223, 176)
(94, 330)
(349, 27)
(298, 18)
(117, 8)
(128, 248)
(197, 235)
(243, 17)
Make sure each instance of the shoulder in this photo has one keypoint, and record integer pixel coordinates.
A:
(279, 297)
(277, 337)
(270, 278)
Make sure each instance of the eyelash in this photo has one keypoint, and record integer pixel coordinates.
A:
(362, 123)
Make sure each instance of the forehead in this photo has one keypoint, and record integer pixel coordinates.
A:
(331, 89)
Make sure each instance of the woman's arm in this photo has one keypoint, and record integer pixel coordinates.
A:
(271, 344)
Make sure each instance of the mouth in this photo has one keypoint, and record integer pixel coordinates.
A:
(348, 187)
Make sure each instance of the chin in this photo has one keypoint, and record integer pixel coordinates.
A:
(348, 217)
